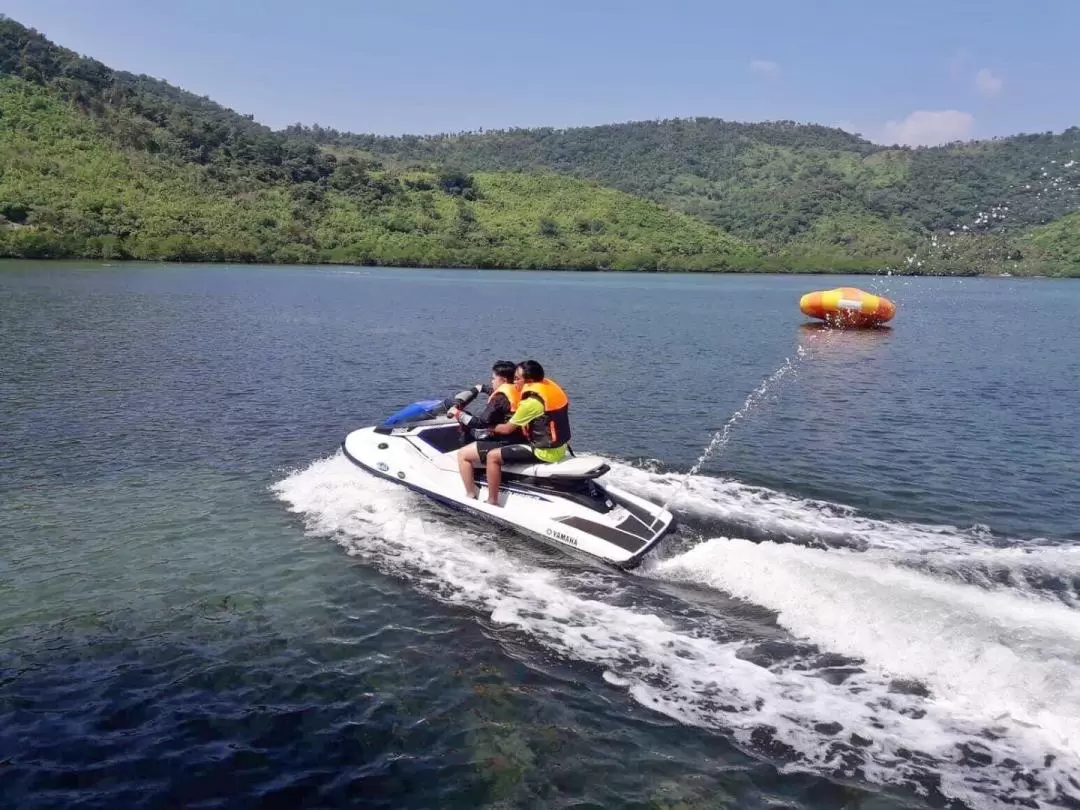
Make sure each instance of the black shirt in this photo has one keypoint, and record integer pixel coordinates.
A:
(496, 412)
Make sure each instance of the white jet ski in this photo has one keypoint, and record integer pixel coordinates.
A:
(561, 503)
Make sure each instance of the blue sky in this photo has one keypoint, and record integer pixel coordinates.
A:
(914, 72)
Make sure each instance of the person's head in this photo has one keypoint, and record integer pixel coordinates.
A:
(528, 371)
(502, 372)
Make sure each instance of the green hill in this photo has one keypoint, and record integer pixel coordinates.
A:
(103, 163)
(1059, 241)
(99, 163)
(794, 190)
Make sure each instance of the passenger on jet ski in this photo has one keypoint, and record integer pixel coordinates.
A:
(543, 414)
(501, 403)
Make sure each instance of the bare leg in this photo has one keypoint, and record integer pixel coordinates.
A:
(494, 475)
(466, 457)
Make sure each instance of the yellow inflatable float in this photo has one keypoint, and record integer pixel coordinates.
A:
(847, 306)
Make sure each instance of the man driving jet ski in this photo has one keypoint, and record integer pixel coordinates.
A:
(502, 400)
(542, 414)
(501, 405)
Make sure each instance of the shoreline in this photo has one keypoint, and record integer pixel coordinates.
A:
(724, 271)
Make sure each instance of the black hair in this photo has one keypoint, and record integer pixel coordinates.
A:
(504, 369)
(531, 370)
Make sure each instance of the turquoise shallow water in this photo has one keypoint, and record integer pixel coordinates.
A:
(872, 601)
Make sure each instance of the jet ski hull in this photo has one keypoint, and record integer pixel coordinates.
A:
(560, 504)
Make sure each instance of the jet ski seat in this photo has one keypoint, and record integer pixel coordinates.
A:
(576, 468)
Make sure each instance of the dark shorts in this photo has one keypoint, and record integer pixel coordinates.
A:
(511, 453)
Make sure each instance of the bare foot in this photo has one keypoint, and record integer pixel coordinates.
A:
(493, 502)
(472, 493)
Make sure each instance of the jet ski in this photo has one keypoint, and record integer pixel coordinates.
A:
(563, 504)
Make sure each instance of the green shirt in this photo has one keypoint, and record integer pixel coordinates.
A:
(530, 409)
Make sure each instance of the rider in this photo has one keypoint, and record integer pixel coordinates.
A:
(501, 405)
(502, 402)
(544, 416)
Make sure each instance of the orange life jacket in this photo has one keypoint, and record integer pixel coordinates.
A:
(508, 390)
(552, 429)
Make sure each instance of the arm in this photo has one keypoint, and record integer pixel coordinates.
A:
(462, 398)
(528, 410)
(457, 404)
(495, 412)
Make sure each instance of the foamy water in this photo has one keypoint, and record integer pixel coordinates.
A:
(996, 718)
(781, 516)
(1042, 568)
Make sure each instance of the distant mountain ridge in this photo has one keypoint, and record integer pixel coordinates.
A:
(102, 163)
(190, 179)
(784, 186)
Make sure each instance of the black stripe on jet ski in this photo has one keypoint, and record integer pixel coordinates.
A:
(604, 531)
(639, 512)
(635, 561)
(611, 535)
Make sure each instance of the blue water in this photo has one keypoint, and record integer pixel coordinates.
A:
(871, 601)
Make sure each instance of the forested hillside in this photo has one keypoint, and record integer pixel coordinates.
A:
(100, 163)
(789, 188)
(103, 163)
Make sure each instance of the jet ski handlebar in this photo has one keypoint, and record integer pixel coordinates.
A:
(463, 398)
(428, 408)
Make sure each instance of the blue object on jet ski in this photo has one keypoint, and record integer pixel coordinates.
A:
(423, 409)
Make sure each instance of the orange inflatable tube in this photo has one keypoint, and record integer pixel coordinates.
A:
(847, 306)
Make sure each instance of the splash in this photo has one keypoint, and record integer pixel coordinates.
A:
(957, 694)
(997, 656)
(1039, 568)
(720, 439)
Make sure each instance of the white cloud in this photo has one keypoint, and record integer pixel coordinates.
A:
(929, 128)
(765, 67)
(987, 83)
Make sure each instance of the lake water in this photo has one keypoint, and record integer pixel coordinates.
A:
(873, 599)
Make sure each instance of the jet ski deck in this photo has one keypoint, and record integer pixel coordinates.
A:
(561, 503)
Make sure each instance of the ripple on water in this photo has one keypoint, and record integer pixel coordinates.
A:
(170, 637)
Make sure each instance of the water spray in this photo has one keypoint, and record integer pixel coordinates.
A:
(721, 437)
